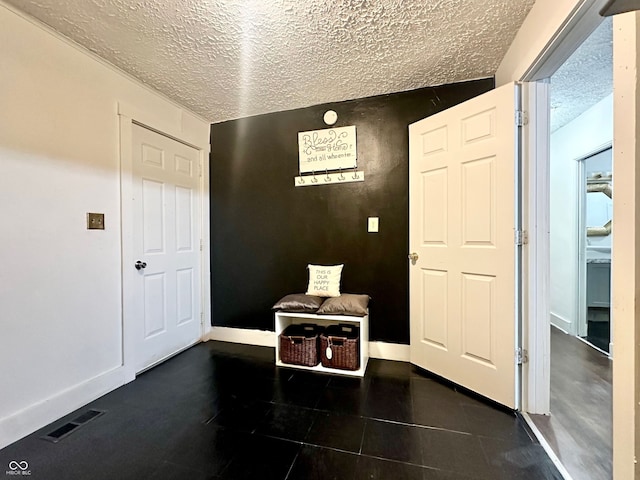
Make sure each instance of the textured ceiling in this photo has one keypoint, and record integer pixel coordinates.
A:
(585, 78)
(227, 59)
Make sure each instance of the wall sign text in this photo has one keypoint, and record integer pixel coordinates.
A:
(328, 149)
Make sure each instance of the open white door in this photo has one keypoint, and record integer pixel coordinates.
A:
(462, 211)
(166, 246)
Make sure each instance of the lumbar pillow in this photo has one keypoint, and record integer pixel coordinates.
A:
(324, 280)
(346, 304)
(299, 303)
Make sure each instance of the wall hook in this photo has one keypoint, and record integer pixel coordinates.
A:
(327, 178)
(341, 176)
(314, 179)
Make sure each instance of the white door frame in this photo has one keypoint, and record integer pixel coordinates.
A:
(581, 261)
(561, 28)
(129, 115)
(581, 266)
(536, 339)
(625, 264)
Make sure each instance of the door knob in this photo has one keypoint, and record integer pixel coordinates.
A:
(140, 265)
(413, 257)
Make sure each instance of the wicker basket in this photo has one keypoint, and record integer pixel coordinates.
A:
(299, 345)
(341, 343)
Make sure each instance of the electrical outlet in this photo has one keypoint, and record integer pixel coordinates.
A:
(95, 221)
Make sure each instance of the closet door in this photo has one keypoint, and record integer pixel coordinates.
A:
(166, 231)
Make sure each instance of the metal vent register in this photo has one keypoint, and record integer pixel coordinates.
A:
(70, 427)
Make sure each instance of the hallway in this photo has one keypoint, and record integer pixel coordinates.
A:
(579, 429)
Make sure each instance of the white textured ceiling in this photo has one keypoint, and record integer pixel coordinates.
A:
(227, 59)
(585, 78)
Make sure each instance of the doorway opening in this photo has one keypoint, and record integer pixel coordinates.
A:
(595, 185)
(579, 428)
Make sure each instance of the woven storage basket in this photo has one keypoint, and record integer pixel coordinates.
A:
(299, 345)
(343, 342)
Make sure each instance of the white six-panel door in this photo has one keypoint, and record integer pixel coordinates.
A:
(461, 207)
(166, 243)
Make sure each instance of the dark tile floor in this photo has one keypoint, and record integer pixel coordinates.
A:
(224, 411)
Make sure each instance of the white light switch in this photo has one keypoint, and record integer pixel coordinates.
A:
(373, 224)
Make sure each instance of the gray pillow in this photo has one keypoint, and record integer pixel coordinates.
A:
(299, 303)
(345, 304)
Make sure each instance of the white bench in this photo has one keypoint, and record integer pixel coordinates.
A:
(284, 319)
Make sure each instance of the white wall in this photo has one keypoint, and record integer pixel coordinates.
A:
(60, 284)
(579, 138)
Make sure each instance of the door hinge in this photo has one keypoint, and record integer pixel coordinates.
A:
(521, 118)
(201, 244)
(522, 356)
(521, 237)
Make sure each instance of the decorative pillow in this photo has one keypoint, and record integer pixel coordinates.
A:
(324, 280)
(299, 303)
(345, 304)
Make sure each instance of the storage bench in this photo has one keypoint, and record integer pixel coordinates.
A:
(284, 319)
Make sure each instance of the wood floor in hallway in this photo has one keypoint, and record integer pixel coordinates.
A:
(579, 429)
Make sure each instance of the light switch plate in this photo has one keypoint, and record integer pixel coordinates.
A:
(373, 224)
(95, 221)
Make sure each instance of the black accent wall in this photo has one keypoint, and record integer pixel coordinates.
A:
(264, 230)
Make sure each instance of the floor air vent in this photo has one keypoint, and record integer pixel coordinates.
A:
(70, 427)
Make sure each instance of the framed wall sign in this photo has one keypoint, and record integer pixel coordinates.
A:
(327, 149)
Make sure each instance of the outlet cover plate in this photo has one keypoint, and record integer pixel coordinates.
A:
(95, 221)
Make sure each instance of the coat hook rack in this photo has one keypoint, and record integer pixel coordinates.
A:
(328, 178)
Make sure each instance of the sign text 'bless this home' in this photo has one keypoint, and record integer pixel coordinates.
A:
(328, 149)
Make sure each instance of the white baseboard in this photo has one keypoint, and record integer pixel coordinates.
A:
(28, 420)
(262, 338)
(560, 322)
(267, 338)
(389, 351)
